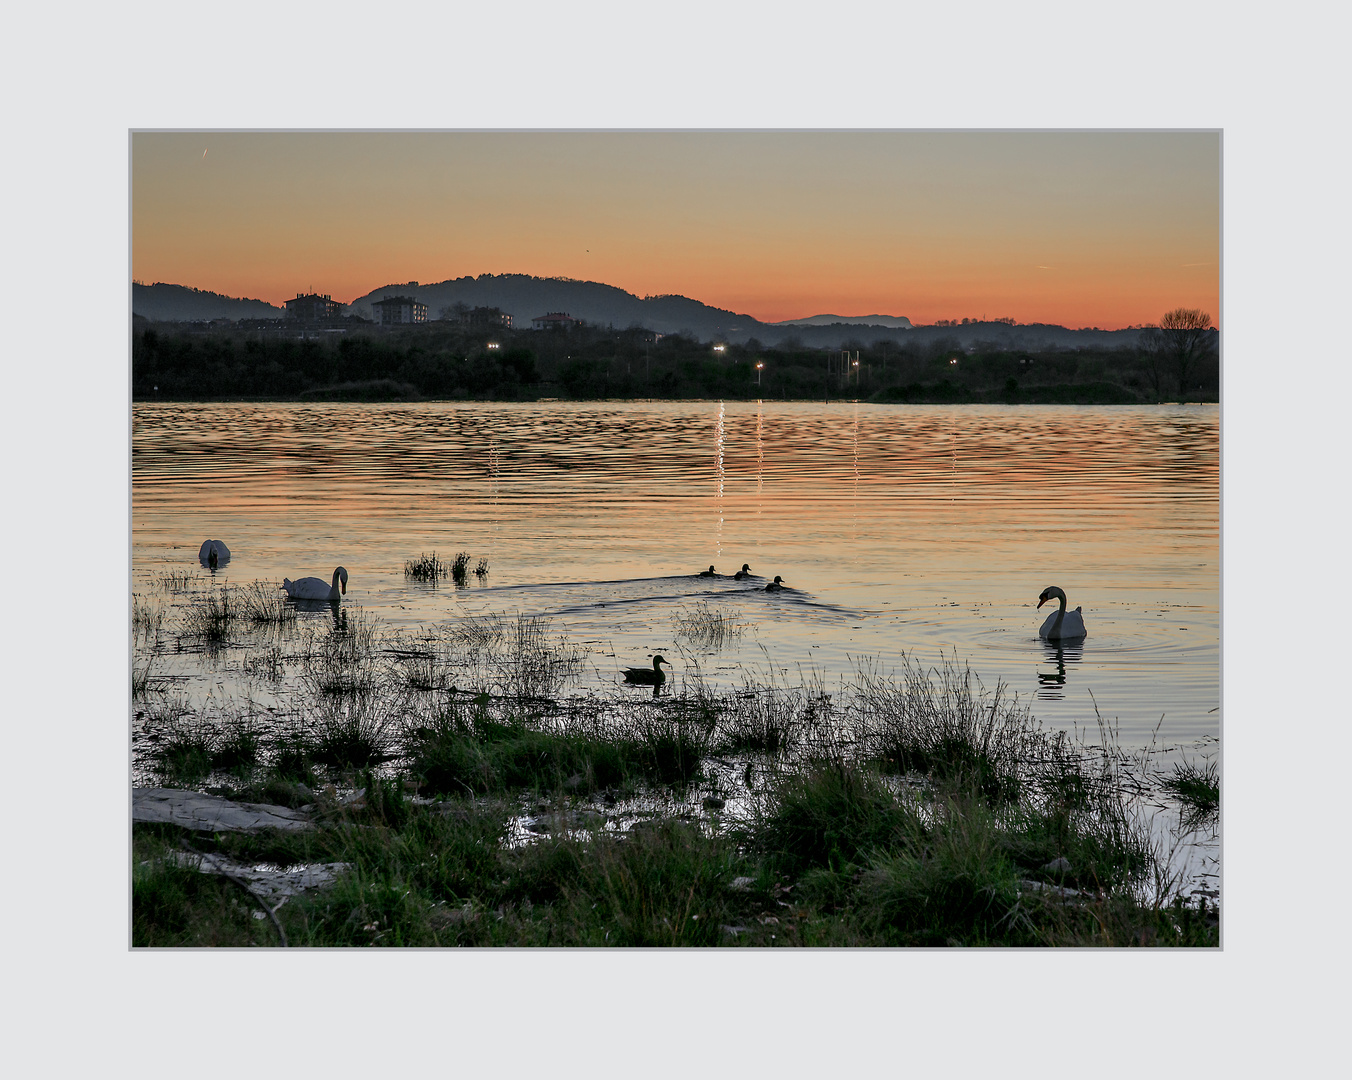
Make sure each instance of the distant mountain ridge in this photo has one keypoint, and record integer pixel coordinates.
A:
(526, 297)
(162, 302)
(893, 322)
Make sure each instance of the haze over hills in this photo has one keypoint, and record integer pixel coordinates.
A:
(896, 322)
(526, 297)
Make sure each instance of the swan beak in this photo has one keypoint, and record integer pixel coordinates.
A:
(1042, 601)
(343, 588)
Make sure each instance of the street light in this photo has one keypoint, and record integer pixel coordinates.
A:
(759, 364)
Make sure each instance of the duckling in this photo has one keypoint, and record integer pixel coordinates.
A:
(744, 572)
(776, 585)
(708, 573)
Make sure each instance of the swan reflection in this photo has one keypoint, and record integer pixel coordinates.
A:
(1051, 684)
(333, 607)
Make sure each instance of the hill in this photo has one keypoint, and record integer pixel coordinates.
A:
(527, 297)
(893, 322)
(162, 302)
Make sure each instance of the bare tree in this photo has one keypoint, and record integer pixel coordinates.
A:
(1153, 359)
(1186, 334)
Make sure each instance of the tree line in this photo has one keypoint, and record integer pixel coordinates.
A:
(1175, 361)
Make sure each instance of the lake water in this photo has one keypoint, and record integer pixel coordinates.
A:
(923, 530)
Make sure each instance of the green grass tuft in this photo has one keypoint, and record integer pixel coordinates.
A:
(1196, 785)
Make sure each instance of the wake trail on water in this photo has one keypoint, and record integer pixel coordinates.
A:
(669, 590)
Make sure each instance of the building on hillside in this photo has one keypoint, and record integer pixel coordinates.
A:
(485, 318)
(312, 307)
(555, 320)
(398, 309)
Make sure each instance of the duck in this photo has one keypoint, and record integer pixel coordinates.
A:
(644, 677)
(744, 572)
(708, 573)
(213, 553)
(776, 585)
(313, 588)
(1061, 625)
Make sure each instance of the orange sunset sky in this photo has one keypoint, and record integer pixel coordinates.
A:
(1105, 229)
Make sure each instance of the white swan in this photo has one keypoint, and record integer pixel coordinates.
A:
(213, 553)
(313, 588)
(1061, 625)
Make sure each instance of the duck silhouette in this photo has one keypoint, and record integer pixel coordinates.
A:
(641, 676)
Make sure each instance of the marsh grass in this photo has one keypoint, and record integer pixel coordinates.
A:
(476, 635)
(343, 660)
(828, 816)
(352, 729)
(147, 622)
(460, 568)
(262, 605)
(911, 810)
(917, 870)
(238, 746)
(175, 905)
(426, 568)
(532, 663)
(211, 619)
(183, 757)
(674, 746)
(838, 855)
(420, 671)
(765, 719)
(707, 628)
(293, 757)
(140, 680)
(267, 663)
(481, 570)
(1197, 785)
(466, 748)
(175, 581)
(663, 886)
(943, 723)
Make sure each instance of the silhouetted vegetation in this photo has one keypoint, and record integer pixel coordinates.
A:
(1178, 348)
(906, 807)
(447, 361)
